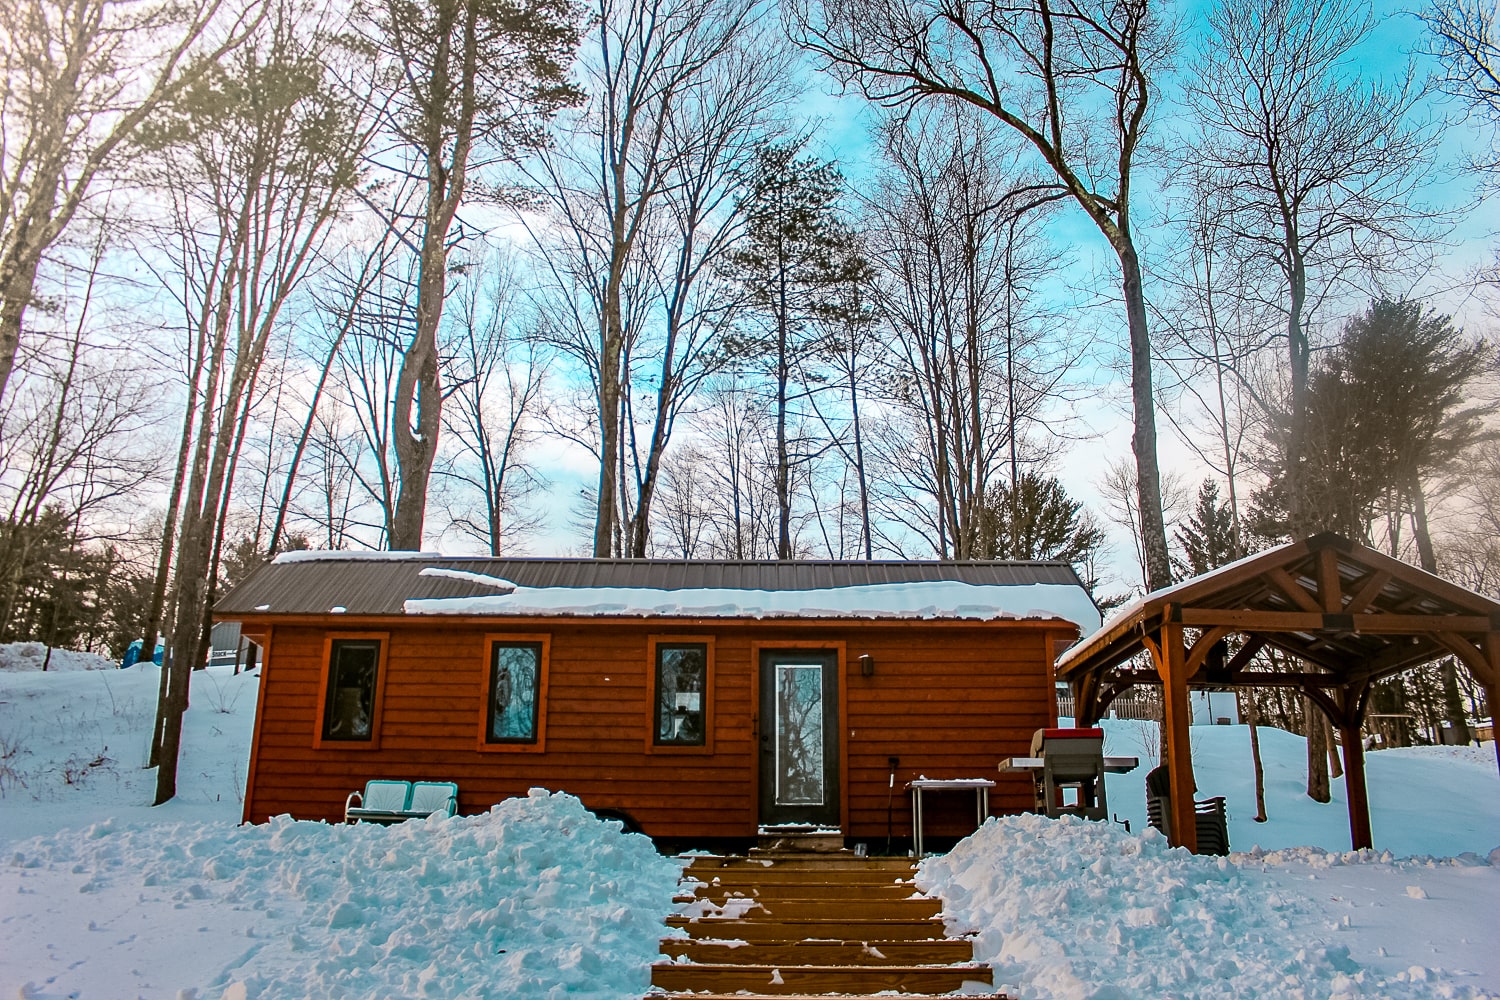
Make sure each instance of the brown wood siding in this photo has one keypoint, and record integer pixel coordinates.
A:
(950, 700)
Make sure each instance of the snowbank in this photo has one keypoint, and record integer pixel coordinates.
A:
(31, 656)
(1071, 910)
(919, 599)
(535, 898)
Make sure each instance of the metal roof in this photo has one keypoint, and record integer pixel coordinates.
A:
(377, 586)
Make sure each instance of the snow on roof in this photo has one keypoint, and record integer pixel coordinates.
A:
(504, 586)
(917, 599)
(336, 555)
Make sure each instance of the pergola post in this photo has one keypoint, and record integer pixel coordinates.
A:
(1172, 665)
(1354, 773)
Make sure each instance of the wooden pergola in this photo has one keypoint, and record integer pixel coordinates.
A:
(1348, 615)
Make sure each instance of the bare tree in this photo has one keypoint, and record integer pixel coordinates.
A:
(258, 155)
(1118, 489)
(1074, 79)
(77, 426)
(640, 214)
(461, 84)
(1466, 38)
(496, 378)
(341, 306)
(365, 375)
(955, 236)
(1319, 172)
(1218, 335)
(78, 79)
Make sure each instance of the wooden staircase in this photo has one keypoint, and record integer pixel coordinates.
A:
(801, 925)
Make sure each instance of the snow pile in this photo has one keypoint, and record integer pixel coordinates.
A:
(31, 656)
(535, 898)
(1071, 910)
(920, 599)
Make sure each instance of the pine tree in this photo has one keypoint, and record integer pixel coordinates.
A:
(1038, 520)
(1208, 539)
(798, 256)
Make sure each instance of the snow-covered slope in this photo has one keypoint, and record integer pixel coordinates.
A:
(1423, 800)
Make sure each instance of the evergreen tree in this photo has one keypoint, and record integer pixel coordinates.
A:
(1036, 519)
(1385, 412)
(1208, 539)
(797, 258)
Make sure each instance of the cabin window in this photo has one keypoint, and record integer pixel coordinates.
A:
(681, 694)
(514, 692)
(349, 705)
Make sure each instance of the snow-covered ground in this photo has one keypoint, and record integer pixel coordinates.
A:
(105, 897)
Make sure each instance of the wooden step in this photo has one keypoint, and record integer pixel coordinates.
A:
(814, 888)
(922, 908)
(710, 952)
(801, 862)
(868, 894)
(790, 979)
(792, 877)
(728, 928)
(657, 995)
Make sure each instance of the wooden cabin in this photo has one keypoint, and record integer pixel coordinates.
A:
(699, 701)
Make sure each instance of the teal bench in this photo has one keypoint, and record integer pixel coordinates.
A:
(385, 801)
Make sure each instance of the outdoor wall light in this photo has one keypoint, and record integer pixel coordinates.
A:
(866, 665)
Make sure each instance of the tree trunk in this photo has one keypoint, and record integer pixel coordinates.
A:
(1251, 714)
(1453, 703)
(859, 468)
(17, 283)
(783, 462)
(1298, 358)
(418, 394)
(1143, 441)
(1335, 766)
(1315, 726)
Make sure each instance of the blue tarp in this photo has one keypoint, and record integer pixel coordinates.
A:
(133, 654)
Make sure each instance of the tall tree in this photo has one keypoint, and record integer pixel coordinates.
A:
(797, 253)
(460, 84)
(640, 187)
(1074, 79)
(955, 236)
(1319, 169)
(259, 155)
(78, 79)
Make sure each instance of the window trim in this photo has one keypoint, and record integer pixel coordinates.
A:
(491, 639)
(325, 675)
(653, 642)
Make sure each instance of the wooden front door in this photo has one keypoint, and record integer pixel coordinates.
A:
(799, 737)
